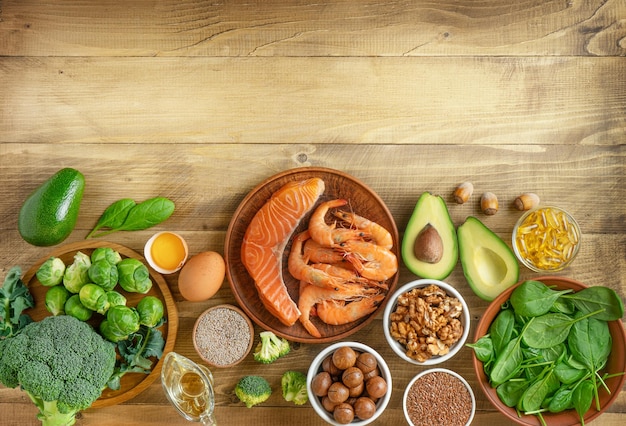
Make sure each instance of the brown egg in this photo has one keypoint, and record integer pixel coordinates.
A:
(202, 276)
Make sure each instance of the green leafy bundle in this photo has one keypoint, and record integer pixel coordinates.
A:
(14, 299)
(546, 348)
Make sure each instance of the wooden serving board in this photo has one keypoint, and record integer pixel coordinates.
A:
(132, 383)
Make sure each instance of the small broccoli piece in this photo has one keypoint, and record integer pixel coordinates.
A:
(61, 363)
(253, 390)
(270, 348)
(294, 387)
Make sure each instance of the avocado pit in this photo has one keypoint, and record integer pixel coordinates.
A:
(428, 245)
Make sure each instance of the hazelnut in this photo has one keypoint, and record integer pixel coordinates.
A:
(489, 203)
(526, 201)
(463, 192)
(428, 245)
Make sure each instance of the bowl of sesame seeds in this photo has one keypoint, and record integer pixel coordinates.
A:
(223, 336)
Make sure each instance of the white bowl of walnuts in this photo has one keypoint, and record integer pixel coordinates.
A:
(349, 383)
(426, 322)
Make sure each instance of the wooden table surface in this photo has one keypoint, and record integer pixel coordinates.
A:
(201, 101)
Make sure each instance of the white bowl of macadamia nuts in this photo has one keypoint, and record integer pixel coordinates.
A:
(426, 322)
(349, 383)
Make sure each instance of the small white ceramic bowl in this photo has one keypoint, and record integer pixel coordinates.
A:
(429, 390)
(174, 239)
(398, 348)
(316, 367)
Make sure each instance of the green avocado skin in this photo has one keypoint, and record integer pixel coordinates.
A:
(49, 214)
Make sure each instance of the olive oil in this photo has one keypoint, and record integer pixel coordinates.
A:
(189, 387)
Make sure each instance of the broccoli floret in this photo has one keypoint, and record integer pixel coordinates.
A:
(270, 348)
(294, 387)
(253, 390)
(61, 363)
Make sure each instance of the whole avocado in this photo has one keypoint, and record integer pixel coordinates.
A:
(49, 214)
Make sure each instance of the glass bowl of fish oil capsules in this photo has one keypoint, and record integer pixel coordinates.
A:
(546, 239)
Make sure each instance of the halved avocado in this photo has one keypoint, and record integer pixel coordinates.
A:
(429, 246)
(489, 265)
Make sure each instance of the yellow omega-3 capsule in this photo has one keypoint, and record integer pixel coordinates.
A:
(547, 238)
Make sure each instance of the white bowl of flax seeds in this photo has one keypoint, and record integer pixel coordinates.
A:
(438, 397)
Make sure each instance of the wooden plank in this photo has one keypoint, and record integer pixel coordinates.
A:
(420, 100)
(301, 28)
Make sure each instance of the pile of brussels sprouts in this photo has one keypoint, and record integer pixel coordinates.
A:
(87, 286)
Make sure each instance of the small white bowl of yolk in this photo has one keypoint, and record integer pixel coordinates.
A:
(166, 252)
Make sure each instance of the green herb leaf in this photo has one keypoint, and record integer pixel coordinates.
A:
(508, 363)
(114, 216)
(501, 330)
(483, 348)
(550, 329)
(147, 214)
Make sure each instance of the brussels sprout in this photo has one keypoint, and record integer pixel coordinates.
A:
(104, 274)
(150, 310)
(134, 276)
(94, 297)
(110, 335)
(106, 253)
(115, 298)
(56, 297)
(123, 320)
(77, 275)
(50, 273)
(75, 308)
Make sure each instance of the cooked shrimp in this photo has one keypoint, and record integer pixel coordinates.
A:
(371, 260)
(336, 312)
(312, 295)
(301, 270)
(377, 232)
(329, 235)
(316, 253)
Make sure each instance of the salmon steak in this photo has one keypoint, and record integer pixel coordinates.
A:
(265, 240)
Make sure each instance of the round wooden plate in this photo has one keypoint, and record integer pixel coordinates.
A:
(132, 383)
(362, 201)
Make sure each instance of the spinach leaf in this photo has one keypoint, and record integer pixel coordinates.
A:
(538, 391)
(15, 298)
(568, 374)
(582, 397)
(113, 216)
(501, 330)
(147, 214)
(508, 363)
(126, 215)
(534, 298)
(511, 392)
(597, 298)
(561, 400)
(590, 342)
(550, 329)
(483, 348)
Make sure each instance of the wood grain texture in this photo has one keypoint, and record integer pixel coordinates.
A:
(416, 101)
(201, 101)
(301, 28)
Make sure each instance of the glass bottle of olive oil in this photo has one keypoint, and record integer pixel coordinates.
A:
(189, 387)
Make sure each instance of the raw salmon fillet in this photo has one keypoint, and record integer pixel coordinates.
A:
(265, 240)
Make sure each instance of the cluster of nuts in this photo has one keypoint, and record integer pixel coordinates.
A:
(426, 321)
(349, 384)
(489, 202)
